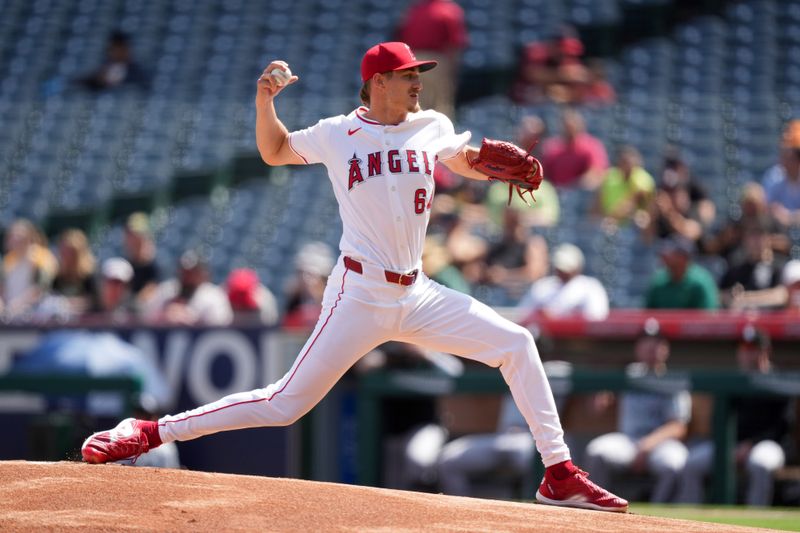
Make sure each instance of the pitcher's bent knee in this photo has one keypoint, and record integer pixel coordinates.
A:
(520, 344)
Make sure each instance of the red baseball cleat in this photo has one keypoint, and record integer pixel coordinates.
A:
(123, 442)
(578, 491)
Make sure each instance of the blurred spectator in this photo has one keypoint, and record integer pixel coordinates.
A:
(250, 300)
(651, 424)
(626, 193)
(28, 268)
(597, 91)
(140, 250)
(543, 212)
(510, 450)
(567, 292)
(552, 70)
(752, 211)
(118, 69)
(790, 138)
(190, 299)
(790, 279)
(762, 431)
(681, 284)
(515, 261)
(467, 250)
(575, 157)
(114, 302)
(783, 194)
(785, 295)
(437, 265)
(75, 281)
(681, 206)
(313, 264)
(435, 30)
(412, 429)
(789, 143)
(744, 282)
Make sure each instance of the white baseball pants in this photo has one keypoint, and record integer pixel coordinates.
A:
(615, 452)
(764, 459)
(362, 311)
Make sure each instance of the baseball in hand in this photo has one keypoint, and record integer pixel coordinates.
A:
(281, 76)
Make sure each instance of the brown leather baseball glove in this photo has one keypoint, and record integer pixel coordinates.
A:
(507, 162)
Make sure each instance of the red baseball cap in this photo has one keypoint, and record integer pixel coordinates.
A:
(386, 57)
(242, 287)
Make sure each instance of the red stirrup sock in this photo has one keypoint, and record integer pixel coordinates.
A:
(562, 470)
(150, 430)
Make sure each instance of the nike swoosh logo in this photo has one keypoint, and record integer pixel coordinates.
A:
(350, 132)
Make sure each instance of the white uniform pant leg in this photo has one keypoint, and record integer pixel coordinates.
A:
(345, 331)
(452, 322)
(422, 453)
(691, 482)
(666, 461)
(764, 459)
(480, 454)
(607, 454)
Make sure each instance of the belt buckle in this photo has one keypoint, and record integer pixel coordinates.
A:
(411, 277)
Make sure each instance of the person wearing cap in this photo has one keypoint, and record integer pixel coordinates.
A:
(189, 299)
(762, 431)
(435, 30)
(567, 292)
(305, 289)
(682, 283)
(380, 160)
(250, 299)
(114, 300)
(552, 69)
(651, 424)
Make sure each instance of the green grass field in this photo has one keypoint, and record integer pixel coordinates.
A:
(781, 518)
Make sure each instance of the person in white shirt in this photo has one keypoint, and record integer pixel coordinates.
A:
(567, 292)
(190, 298)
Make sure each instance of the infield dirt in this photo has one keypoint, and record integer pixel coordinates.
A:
(74, 496)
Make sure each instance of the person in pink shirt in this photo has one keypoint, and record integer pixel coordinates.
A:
(575, 158)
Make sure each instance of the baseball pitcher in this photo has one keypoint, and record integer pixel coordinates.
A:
(380, 160)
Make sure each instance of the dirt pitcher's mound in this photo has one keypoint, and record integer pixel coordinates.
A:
(63, 496)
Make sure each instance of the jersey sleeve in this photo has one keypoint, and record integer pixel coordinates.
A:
(313, 143)
(449, 145)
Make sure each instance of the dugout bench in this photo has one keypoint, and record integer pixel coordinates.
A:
(719, 384)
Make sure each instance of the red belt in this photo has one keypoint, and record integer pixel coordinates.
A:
(391, 277)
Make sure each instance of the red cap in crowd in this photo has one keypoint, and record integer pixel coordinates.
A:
(242, 288)
(386, 57)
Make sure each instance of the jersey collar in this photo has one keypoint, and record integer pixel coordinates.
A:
(412, 117)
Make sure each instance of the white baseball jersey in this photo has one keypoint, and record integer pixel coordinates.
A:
(382, 177)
